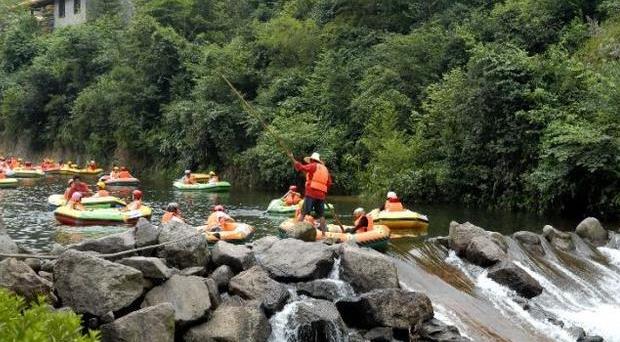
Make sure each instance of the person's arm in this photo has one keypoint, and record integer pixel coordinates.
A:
(361, 224)
(305, 168)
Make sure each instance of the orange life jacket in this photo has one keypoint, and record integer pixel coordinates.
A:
(169, 216)
(135, 205)
(292, 198)
(394, 206)
(124, 174)
(320, 177)
(2, 175)
(189, 180)
(368, 228)
(222, 220)
(103, 193)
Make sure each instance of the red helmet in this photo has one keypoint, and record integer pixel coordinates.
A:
(137, 194)
(293, 187)
(218, 208)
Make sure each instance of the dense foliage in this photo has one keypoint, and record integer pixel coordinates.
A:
(38, 322)
(509, 103)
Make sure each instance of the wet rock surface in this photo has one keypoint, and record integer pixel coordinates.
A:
(590, 229)
(255, 284)
(460, 235)
(509, 274)
(316, 320)
(558, 239)
(153, 324)
(327, 289)
(230, 323)
(19, 278)
(292, 260)
(483, 251)
(238, 258)
(366, 269)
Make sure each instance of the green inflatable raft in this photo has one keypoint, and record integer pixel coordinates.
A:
(278, 207)
(100, 217)
(8, 183)
(212, 187)
(89, 202)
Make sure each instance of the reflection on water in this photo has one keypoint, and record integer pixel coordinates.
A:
(30, 221)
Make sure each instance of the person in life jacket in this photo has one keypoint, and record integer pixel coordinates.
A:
(2, 175)
(172, 214)
(76, 185)
(137, 201)
(3, 163)
(75, 202)
(219, 220)
(363, 223)
(28, 166)
(318, 181)
(188, 178)
(92, 166)
(213, 178)
(292, 197)
(392, 203)
(114, 172)
(124, 173)
(101, 191)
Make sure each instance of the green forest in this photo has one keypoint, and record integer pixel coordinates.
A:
(512, 104)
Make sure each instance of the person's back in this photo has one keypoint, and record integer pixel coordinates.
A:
(171, 217)
(393, 205)
(220, 219)
(124, 174)
(189, 179)
(292, 198)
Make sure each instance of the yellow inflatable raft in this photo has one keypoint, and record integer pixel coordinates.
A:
(405, 220)
(89, 202)
(28, 173)
(240, 234)
(8, 183)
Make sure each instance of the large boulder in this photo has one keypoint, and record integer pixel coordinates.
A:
(152, 268)
(189, 297)
(145, 233)
(238, 258)
(434, 330)
(366, 269)
(262, 244)
(514, 277)
(89, 284)
(291, 260)
(558, 239)
(483, 251)
(191, 251)
(530, 242)
(461, 234)
(153, 324)
(231, 323)
(591, 230)
(394, 308)
(19, 278)
(303, 231)
(310, 320)
(108, 244)
(327, 289)
(222, 276)
(255, 284)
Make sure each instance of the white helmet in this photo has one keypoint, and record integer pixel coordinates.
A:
(392, 195)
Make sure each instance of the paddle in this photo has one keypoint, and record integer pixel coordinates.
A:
(250, 110)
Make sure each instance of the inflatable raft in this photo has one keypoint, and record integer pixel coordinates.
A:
(23, 173)
(278, 207)
(89, 202)
(212, 187)
(201, 177)
(88, 172)
(8, 183)
(67, 170)
(242, 233)
(51, 170)
(396, 220)
(100, 217)
(120, 181)
(378, 238)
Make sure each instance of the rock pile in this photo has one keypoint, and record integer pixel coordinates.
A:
(268, 289)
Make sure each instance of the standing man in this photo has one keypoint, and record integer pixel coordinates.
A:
(318, 182)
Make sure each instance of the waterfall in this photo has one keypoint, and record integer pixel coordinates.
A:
(580, 290)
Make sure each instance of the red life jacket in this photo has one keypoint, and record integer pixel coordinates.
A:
(394, 205)
(319, 180)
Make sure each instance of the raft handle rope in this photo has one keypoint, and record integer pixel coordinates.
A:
(104, 256)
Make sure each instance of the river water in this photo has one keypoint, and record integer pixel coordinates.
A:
(580, 288)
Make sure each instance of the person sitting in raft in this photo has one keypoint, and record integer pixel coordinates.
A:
(75, 202)
(3, 164)
(114, 172)
(2, 175)
(92, 166)
(188, 178)
(28, 166)
(219, 220)
(213, 178)
(363, 223)
(101, 191)
(172, 214)
(76, 185)
(137, 201)
(292, 197)
(392, 203)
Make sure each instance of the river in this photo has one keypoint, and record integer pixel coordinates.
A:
(580, 290)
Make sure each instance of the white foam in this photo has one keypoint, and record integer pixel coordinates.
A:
(601, 320)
